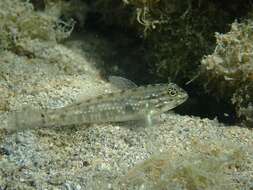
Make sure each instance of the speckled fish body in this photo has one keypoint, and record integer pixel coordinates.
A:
(125, 105)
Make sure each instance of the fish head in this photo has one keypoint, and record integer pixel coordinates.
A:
(168, 97)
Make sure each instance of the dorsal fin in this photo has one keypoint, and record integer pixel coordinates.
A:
(122, 83)
(119, 82)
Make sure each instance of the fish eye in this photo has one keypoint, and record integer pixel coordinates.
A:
(172, 92)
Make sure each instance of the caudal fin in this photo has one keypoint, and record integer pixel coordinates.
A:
(26, 118)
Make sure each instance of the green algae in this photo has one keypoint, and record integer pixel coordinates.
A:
(228, 71)
(20, 23)
(205, 167)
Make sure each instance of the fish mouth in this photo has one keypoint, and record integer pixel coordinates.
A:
(184, 96)
(182, 99)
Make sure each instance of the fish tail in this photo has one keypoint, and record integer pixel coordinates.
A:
(26, 118)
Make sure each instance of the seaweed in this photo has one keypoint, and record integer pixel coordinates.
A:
(205, 167)
(20, 23)
(227, 73)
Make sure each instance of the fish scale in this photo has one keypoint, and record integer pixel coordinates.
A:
(142, 102)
